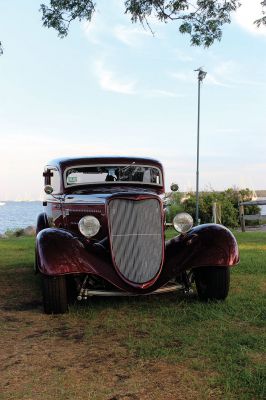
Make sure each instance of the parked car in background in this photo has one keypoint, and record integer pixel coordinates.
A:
(102, 232)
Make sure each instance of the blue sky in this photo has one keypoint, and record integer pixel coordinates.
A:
(111, 87)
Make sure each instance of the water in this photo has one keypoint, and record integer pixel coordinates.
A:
(18, 214)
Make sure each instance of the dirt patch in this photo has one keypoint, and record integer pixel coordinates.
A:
(53, 358)
(257, 358)
(65, 357)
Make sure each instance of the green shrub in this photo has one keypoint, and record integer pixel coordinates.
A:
(174, 207)
(14, 232)
(227, 200)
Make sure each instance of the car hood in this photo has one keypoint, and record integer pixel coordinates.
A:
(102, 198)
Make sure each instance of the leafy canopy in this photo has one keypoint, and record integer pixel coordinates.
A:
(201, 19)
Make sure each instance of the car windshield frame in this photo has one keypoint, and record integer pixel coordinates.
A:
(118, 182)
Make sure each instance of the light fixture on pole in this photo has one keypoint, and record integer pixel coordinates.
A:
(201, 75)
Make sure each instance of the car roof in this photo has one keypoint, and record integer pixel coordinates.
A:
(63, 163)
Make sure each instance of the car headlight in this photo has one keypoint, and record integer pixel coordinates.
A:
(89, 226)
(183, 222)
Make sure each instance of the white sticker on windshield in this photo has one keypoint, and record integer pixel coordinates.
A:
(72, 179)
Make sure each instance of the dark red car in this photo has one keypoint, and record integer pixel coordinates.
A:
(102, 233)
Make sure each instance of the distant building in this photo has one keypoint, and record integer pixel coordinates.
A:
(261, 195)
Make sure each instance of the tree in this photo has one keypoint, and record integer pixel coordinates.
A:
(174, 205)
(228, 201)
(201, 19)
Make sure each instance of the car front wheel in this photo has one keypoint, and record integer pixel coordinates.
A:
(212, 283)
(54, 294)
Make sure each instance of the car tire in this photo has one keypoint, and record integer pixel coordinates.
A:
(212, 283)
(42, 222)
(55, 299)
(72, 291)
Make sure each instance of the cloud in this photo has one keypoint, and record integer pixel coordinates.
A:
(212, 80)
(228, 73)
(184, 76)
(109, 82)
(131, 36)
(228, 130)
(225, 73)
(225, 68)
(161, 93)
(245, 16)
(181, 56)
(248, 82)
(221, 74)
(94, 29)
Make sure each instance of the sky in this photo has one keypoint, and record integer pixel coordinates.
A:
(113, 88)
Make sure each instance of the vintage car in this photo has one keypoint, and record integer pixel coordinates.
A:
(102, 232)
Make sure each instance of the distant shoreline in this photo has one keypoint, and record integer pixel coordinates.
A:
(21, 201)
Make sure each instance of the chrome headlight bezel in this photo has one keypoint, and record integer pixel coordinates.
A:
(183, 222)
(89, 226)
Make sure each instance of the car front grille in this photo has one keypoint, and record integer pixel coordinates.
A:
(136, 238)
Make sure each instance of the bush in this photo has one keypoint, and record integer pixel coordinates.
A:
(227, 200)
(18, 232)
(175, 206)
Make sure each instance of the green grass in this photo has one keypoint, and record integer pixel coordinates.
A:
(17, 269)
(227, 338)
(16, 252)
(224, 341)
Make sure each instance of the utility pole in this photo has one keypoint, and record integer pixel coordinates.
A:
(201, 75)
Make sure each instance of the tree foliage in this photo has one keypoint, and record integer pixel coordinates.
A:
(60, 13)
(202, 22)
(201, 19)
(174, 205)
(228, 201)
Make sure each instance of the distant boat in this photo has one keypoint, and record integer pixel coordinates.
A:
(2, 204)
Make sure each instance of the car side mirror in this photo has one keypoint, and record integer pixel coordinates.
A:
(48, 189)
(174, 187)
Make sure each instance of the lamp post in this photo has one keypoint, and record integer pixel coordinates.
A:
(201, 75)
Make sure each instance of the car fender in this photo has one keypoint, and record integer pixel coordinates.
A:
(59, 252)
(42, 222)
(204, 245)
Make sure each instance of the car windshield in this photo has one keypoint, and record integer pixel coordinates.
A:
(84, 175)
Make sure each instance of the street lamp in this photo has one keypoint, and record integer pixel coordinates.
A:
(201, 75)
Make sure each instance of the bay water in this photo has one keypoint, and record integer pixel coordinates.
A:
(18, 214)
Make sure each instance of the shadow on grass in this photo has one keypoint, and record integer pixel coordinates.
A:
(20, 290)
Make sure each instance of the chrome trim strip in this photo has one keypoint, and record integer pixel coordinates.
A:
(103, 293)
(81, 199)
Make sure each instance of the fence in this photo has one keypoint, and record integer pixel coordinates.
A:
(256, 217)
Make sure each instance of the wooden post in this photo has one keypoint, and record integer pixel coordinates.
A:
(219, 213)
(242, 217)
(214, 212)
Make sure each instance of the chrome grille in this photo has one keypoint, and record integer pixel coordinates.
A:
(136, 238)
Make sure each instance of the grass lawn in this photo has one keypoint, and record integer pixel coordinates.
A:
(155, 347)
